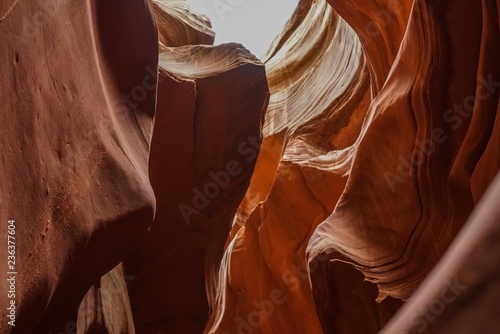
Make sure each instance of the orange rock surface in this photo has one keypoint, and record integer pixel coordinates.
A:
(346, 183)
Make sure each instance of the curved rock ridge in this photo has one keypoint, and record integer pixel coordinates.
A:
(178, 25)
(461, 294)
(348, 183)
(318, 112)
(380, 25)
(415, 184)
(78, 101)
(211, 104)
(393, 207)
(205, 61)
(289, 68)
(297, 70)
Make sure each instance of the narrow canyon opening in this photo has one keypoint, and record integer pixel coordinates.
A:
(252, 23)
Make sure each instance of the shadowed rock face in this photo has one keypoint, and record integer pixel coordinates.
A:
(106, 306)
(461, 295)
(345, 184)
(211, 103)
(74, 152)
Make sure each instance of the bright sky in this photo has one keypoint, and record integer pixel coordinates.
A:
(253, 23)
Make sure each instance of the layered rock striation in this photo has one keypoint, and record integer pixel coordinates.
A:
(346, 183)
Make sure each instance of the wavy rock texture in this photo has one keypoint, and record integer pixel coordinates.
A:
(178, 25)
(380, 26)
(320, 95)
(312, 192)
(394, 219)
(419, 185)
(461, 294)
(76, 128)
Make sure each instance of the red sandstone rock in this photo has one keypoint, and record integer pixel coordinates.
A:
(106, 306)
(307, 118)
(462, 293)
(178, 25)
(380, 140)
(74, 153)
(415, 185)
(386, 232)
(211, 103)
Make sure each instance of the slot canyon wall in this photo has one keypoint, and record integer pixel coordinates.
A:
(153, 182)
